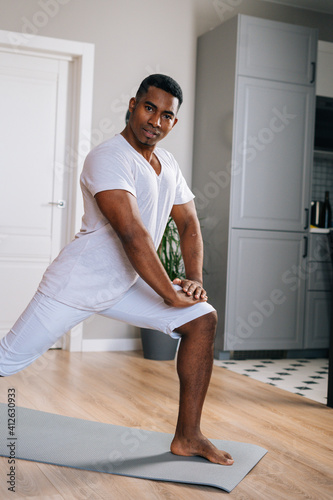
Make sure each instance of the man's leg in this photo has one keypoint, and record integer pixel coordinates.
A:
(42, 323)
(141, 306)
(194, 367)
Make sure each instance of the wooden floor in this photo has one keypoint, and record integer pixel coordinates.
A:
(125, 389)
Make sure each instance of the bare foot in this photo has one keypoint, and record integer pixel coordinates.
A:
(202, 447)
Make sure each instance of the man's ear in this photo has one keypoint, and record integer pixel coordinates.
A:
(132, 104)
(175, 121)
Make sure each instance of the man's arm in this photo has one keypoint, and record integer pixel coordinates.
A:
(191, 244)
(121, 209)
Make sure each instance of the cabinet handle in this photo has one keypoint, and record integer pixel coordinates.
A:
(313, 64)
(305, 254)
(306, 218)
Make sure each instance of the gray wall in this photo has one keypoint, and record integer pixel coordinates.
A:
(211, 13)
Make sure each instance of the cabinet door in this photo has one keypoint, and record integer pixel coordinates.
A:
(265, 291)
(277, 51)
(321, 275)
(318, 318)
(325, 69)
(319, 248)
(272, 150)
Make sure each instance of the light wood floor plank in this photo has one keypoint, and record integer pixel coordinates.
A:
(125, 389)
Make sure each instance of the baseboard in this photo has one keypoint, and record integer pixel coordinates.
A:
(271, 354)
(96, 345)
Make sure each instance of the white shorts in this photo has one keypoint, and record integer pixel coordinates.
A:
(45, 320)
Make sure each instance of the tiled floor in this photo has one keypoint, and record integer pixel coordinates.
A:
(306, 377)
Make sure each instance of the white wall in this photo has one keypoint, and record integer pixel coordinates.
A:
(132, 39)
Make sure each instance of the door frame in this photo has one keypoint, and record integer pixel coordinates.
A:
(81, 54)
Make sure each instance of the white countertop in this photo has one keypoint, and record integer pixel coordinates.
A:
(320, 230)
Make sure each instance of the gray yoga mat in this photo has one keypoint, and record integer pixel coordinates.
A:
(83, 444)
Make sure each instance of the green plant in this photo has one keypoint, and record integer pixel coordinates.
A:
(169, 252)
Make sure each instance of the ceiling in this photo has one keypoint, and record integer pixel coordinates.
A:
(317, 5)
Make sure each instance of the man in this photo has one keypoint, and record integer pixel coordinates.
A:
(129, 187)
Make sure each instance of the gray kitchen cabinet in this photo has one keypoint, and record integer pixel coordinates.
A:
(252, 162)
(265, 302)
(273, 151)
(319, 249)
(319, 293)
(317, 320)
(278, 51)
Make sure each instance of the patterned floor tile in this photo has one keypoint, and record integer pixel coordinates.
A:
(306, 377)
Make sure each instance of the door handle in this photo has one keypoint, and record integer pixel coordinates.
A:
(305, 254)
(59, 203)
(306, 218)
(313, 64)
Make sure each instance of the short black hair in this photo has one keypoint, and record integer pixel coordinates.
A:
(162, 82)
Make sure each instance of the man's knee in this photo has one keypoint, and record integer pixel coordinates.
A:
(213, 318)
(210, 320)
(205, 325)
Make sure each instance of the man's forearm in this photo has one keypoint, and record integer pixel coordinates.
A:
(121, 209)
(192, 251)
(140, 250)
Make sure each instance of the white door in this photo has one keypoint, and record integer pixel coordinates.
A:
(33, 104)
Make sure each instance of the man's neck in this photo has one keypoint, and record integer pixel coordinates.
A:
(145, 150)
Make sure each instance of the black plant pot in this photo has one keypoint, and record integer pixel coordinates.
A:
(158, 345)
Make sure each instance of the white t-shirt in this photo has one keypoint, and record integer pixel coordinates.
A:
(93, 270)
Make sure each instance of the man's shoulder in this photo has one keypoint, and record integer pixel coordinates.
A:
(109, 155)
(115, 143)
(113, 151)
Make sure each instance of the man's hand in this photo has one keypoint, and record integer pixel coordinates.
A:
(192, 289)
(191, 293)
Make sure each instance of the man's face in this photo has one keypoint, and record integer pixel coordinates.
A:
(153, 116)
